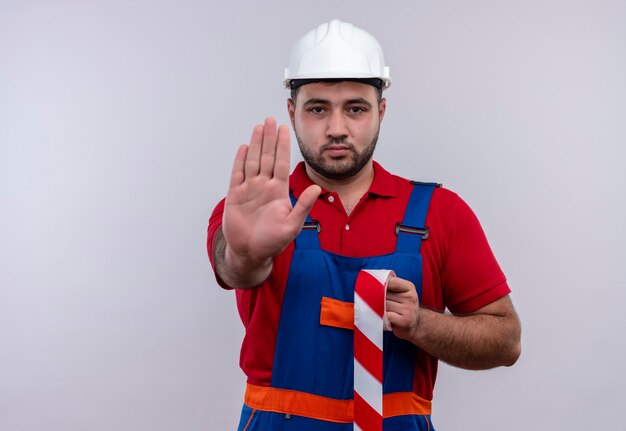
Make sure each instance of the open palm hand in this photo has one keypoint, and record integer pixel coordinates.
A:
(259, 220)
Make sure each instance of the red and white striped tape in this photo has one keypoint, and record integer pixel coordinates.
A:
(370, 320)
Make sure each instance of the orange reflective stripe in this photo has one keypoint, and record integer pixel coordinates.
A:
(298, 403)
(405, 403)
(328, 409)
(337, 313)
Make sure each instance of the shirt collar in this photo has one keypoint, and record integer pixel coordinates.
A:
(383, 184)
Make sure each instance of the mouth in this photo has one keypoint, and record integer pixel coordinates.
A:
(338, 150)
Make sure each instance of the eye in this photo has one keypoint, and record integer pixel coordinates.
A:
(355, 110)
(316, 110)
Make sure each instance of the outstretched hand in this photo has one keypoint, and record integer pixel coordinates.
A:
(259, 220)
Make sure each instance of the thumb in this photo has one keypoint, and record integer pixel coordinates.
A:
(305, 203)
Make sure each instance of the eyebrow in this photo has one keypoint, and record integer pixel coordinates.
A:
(358, 100)
(315, 102)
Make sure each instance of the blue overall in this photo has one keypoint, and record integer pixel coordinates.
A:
(318, 359)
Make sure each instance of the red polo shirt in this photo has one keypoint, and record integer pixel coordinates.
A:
(460, 271)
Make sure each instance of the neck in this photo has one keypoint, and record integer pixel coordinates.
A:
(350, 190)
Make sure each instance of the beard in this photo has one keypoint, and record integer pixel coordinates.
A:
(340, 168)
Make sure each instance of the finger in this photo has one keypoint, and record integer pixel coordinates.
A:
(237, 175)
(395, 320)
(390, 307)
(268, 151)
(303, 206)
(283, 148)
(400, 316)
(399, 285)
(254, 152)
(395, 305)
(394, 298)
(393, 317)
(407, 295)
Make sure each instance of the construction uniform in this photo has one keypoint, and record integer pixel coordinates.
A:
(298, 348)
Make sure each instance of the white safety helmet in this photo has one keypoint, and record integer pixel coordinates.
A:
(337, 50)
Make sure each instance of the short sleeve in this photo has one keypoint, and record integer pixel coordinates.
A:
(215, 223)
(471, 278)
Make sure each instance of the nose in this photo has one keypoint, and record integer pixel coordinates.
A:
(336, 127)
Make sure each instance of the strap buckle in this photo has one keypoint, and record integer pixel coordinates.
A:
(312, 225)
(421, 231)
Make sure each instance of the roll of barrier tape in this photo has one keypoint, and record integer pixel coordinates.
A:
(370, 320)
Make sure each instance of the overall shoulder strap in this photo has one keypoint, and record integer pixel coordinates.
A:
(307, 239)
(412, 230)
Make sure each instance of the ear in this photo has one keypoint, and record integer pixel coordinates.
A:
(382, 106)
(291, 108)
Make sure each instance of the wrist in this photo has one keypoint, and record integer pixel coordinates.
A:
(421, 331)
(245, 271)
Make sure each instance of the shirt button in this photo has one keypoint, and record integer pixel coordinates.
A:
(331, 198)
(347, 227)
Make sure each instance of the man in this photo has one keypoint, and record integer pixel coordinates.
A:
(293, 285)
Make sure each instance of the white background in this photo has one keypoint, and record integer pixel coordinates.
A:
(118, 124)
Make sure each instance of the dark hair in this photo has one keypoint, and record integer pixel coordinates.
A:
(295, 85)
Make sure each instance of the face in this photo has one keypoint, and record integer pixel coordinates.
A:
(337, 126)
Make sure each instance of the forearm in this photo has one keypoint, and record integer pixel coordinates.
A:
(239, 272)
(476, 342)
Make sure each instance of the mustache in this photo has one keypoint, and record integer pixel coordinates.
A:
(337, 141)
